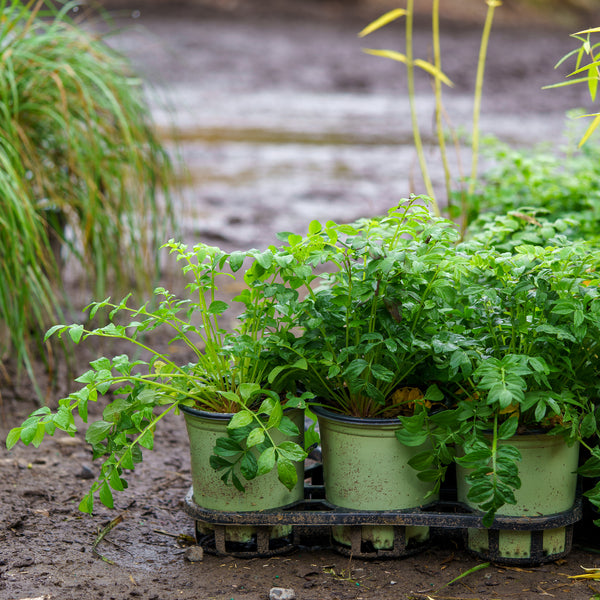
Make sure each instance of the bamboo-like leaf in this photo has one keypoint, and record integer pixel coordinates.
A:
(565, 83)
(592, 30)
(432, 70)
(422, 64)
(391, 54)
(388, 17)
(593, 125)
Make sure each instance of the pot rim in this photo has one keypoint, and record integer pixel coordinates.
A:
(340, 417)
(206, 414)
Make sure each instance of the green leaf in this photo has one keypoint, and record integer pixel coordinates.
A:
(230, 396)
(266, 461)
(240, 419)
(38, 438)
(236, 260)
(255, 437)
(217, 307)
(411, 438)
(76, 331)
(97, 431)
(28, 433)
(127, 460)
(247, 390)
(508, 428)
(226, 447)
(147, 439)
(115, 481)
(53, 330)
(286, 471)
(14, 435)
(291, 451)
(87, 504)
(275, 416)
(248, 466)
(422, 460)
(106, 496)
(267, 406)
(434, 394)
(288, 427)
(314, 227)
(265, 259)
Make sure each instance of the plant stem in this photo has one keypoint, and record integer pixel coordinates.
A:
(410, 79)
(437, 82)
(485, 37)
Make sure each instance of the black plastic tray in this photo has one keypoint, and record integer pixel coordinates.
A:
(313, 517)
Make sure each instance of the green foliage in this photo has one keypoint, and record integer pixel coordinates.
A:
(527, 331)
(83, 176)
(234, 370)
(367, 326)
(531, 197)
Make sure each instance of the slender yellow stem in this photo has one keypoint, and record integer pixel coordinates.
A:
(437, 59)
(410, 79)
(485, 38)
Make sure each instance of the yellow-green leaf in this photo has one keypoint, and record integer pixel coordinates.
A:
(433, 70)
(388, 17)
(593, 125)
(392, 54)
(592, 30)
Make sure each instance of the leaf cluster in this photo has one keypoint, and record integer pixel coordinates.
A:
(234, 369)
(530, 325)
(369, 323)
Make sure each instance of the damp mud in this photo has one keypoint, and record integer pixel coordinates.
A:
(276, 119)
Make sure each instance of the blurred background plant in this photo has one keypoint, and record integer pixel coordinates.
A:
(529, 196)
(84, 179)
(589, 73)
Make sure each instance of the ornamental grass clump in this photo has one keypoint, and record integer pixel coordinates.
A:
(83, 175)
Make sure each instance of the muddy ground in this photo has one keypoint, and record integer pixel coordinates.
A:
(47, 548)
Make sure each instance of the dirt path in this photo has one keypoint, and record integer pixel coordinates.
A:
(246, 90)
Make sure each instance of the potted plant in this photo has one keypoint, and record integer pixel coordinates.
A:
(366, 333)
(525, 393)
(242, 422)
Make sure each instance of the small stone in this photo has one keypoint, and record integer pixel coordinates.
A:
(278, 593)
(26, 561)
(194, 554)
(86, 473)
(67, 440)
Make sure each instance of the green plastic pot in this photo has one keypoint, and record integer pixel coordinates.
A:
(548, 486)
(365, 467)
(209, 492)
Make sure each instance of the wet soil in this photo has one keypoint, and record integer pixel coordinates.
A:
(50, 550)
(228, 86)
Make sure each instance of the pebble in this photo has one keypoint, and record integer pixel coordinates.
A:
(86, 473)
(194, 554)
(67, 440)
(278, 593)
